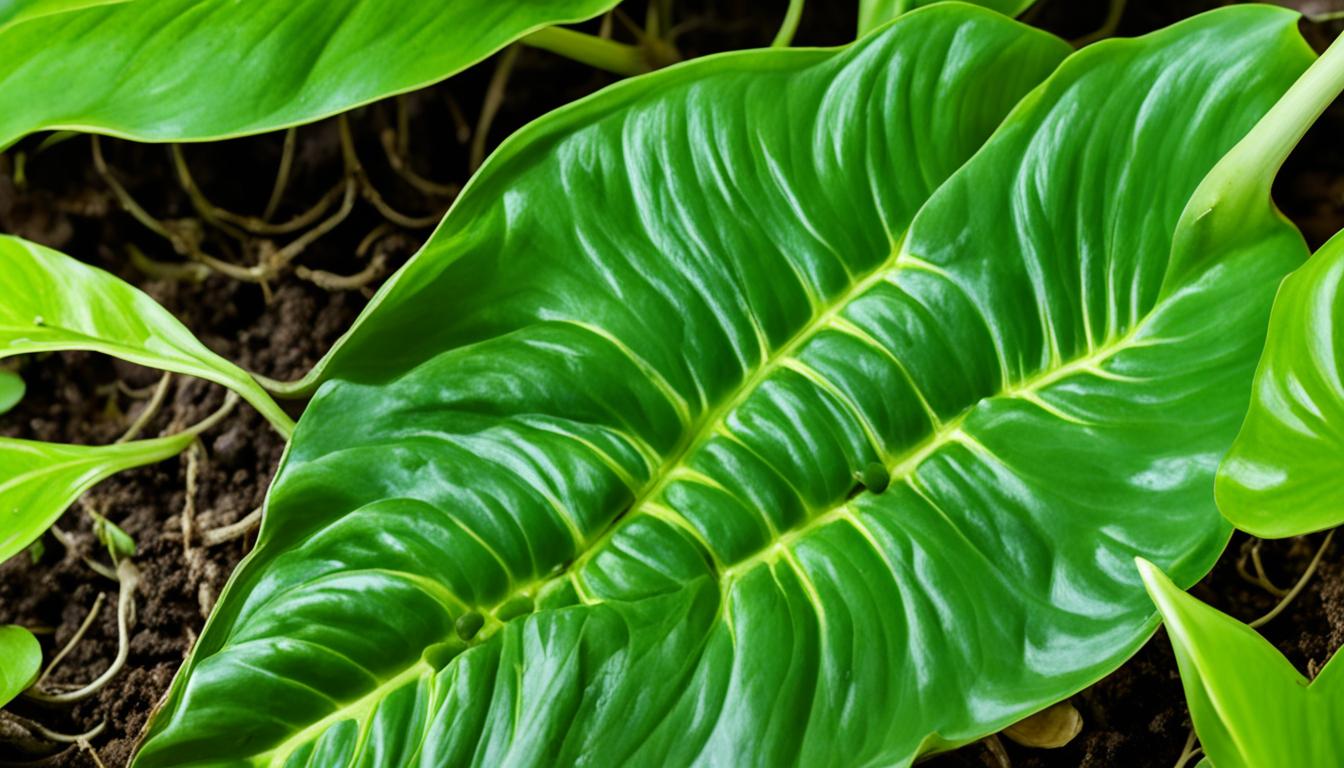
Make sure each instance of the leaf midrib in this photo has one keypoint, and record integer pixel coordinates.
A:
(902, 467)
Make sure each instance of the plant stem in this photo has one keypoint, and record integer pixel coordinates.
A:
(1274, 137)
(1239, 186)
(789, 27)
(609, 55)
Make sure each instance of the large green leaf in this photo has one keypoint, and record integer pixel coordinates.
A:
(1282, 476)
(20, 660)
(875, 13)
(580, 485)
(186, 70)
(53, 302)
(1250, 707)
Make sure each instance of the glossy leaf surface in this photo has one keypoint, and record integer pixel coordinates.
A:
(582, 483)
(188, 70)
(1250, 707)
(20, 661)
(875, 13)
(1282, 477)
(11, 390)
(53, 302)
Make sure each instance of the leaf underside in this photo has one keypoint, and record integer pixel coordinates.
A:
(630, 381)
(1250, 707)
(192, 70)
(1281, 477)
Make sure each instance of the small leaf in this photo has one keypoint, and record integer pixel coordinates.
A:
(1250, 707)
(20, 661)
(1050, 728)
(38, 481)
(53, 302)
(11, 390)
(119, 544)
(191, 70)
(36, 551)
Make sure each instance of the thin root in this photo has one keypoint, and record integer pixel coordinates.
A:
(494, 99)
(74, 639)
(226, 533)
(1189, 752)
(150, 410)
(128, 577)
(333, 282)
(281, 174)
(1298, 587)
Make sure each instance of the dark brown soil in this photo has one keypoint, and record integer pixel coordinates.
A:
(1136, 717)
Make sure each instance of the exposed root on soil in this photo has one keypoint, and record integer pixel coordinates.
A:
(150, 410)
(1297, 588)
(128, 577)
(226, 533)
(281, 173)
(494, 99)
(1251, 550)
(34, 738)
(74, 639)
(355, 169)
(333, 282)
(201, 572)
(396, 146)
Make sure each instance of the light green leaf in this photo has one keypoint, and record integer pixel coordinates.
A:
(11, 390)
(20, 661)
(1250, 707)
(53, 302)
(39, 481)
(589, 480)
(875, 13)
(190, 70)
(118, 543)
(17, 11)
(1282, 476)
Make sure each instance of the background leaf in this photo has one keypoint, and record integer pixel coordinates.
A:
(20, 661)
(192, 70)
(1282, 475)
(11, 390)
(53, 302)
(875, 13)
(1250, 708)
(580, 484)
(39, 481)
